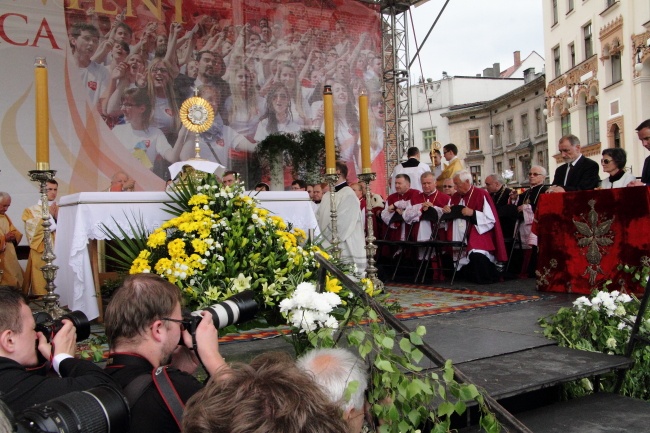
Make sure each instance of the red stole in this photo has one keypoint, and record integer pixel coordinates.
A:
(492, 241)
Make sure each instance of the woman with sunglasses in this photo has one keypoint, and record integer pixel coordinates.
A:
(278, 116)
(613, 163)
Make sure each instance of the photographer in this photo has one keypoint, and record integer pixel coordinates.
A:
(144, 326)
(22, 382)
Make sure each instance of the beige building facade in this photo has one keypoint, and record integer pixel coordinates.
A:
(506, 133)
(597, 75)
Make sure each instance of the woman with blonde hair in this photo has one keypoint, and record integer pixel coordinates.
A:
(160, 88)
(244, 106)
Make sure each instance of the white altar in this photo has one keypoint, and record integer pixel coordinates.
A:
(82, 216)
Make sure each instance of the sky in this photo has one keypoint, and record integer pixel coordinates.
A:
(473, 34)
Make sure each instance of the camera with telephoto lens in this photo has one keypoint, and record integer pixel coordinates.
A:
(236, 309)
(102, 409)
(49, 326)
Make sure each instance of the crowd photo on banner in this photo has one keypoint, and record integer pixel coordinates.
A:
(262, 67)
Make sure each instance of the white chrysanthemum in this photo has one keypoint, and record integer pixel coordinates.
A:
(581, 302)
(624, 298)
(611, 343)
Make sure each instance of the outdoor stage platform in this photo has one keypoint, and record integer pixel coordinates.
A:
(500, 347)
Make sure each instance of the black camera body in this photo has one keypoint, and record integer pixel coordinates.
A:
(50, 326)
(238, 308)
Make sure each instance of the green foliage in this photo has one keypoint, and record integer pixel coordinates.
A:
(128, 243)
(93, 348)
(402, 395)
(219, 243)
(304, 152)
(603, 324)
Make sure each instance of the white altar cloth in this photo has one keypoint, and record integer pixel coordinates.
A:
(82, 216)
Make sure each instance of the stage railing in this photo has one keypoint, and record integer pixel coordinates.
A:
(511, 423)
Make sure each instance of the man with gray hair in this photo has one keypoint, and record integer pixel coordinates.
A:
(334, 370)
(485, 245)
(500, 193)
(579, 173)
(526, 205)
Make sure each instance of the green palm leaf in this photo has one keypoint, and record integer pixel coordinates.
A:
(127, 247)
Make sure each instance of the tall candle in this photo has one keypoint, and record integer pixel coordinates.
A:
(328, 115)
(42, 115)
(365, 133)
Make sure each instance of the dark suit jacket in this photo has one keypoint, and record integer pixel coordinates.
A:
(645, 174)
(583, 176)
(21, 388)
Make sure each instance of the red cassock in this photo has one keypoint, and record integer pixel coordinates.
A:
(439, 199)
(397, 230)
(492, 240)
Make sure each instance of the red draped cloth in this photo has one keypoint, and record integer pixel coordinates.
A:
(585, 235)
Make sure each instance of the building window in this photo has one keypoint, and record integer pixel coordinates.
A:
(554, 6)
(589, 47)
(556, 62)
(566, 124)
(499, 167)
(513, 166)
(473, 140)
(428, 136)
(476, 174)
(540, 121)
(616, 67)
(542, 159)
(593, 135)
(572, 55)
(524, 126)
(569, 6)
(616, 136)
(610, 2)
(511, 131)
(498, 138)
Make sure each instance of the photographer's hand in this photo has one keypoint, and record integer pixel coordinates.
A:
(65, 341)
(207, 341)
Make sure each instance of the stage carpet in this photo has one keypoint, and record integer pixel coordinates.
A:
(416, 302)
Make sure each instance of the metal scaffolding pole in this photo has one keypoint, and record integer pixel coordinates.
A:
(398, 134)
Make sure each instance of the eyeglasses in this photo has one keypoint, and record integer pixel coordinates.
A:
(535, 174)
(161, 70)
(123, 105)
(184, 324)
(448, 186)
(606, 161)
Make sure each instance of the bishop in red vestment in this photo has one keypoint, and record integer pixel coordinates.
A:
(485, 236)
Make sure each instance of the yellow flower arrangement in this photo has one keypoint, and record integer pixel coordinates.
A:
(219, 242)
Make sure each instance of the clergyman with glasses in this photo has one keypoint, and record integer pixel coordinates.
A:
(526, 204)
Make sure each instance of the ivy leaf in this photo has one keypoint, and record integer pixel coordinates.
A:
(384, 365)
(388, 342)
(446, 409)
(415, 338)
(468, 392)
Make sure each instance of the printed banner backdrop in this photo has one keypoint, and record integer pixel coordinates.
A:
(119, 71)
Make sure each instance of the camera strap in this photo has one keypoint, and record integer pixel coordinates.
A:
(168, 393)
(134, 390)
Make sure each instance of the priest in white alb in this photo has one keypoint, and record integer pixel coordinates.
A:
(349, 223)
